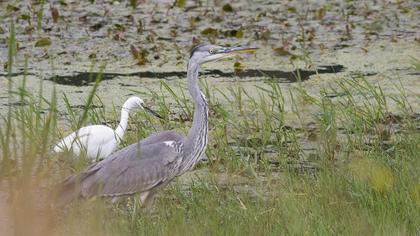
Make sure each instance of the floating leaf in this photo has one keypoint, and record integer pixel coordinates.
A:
(180, 3)
(92, 55)
(119, 27)
(320, 13)
(209, 31)
(259, 15)
(291, 9)
(1, 30)
(119, 36)
(133, 3)
(135, 52)
(218, 19)
(97, 26)
(227, 8)
(25, 17)
(150, 38)
(281, 51)
(230, 33)
(239, 34)
(234, 33)
(83, 18)
(238, 66)
(10, 7)
(29, 29)
(293, 58)
(62, 2)
(54, 14)
(43, 42)
(265, 35)
(139, 55)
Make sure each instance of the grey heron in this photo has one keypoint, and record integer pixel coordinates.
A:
(99, 141)
(150, 164)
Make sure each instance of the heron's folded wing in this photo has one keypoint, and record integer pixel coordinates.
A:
(169, 135)
(131, 170)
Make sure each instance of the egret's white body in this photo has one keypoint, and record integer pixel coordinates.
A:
(98, 141)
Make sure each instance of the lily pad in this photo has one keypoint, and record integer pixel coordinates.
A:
(25, 17)
(265, 35)
(11, 7)
(227, 8)
(238, 66)
(180, 3)
(54, 14)
(320, 13)
(139, 55)
(239, 34)
(281, 51)
(43, 42)
(209, 31)
(97, 26)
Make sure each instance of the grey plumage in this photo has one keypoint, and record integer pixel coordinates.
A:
(105, 178)
(150, 164)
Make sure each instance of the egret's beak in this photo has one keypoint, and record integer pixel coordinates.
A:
(152, 112)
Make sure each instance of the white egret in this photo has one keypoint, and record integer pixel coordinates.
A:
(99, 141)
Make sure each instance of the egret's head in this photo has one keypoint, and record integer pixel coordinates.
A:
(136, 102)
(133, 102)
(206, 52)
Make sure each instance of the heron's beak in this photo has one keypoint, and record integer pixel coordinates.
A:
(239, 50)
(233, 51)
(223, 53)
(152, 112)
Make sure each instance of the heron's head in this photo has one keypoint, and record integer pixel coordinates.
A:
(206, 52)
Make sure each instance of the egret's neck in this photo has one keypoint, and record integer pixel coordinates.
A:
(197, 136)
(122, 126)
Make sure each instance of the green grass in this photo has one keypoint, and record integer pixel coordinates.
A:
(364, 178)
(358, 187)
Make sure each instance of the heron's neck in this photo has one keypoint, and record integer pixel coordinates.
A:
(122, 126)
(197, 136)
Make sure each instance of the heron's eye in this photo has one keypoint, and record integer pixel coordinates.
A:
(212, 51)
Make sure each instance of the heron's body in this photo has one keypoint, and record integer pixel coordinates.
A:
(150, 164)
(123, 173)
(98, 141)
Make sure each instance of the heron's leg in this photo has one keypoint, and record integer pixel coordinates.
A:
(115, 200)
(143, 197)
(147, 200)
